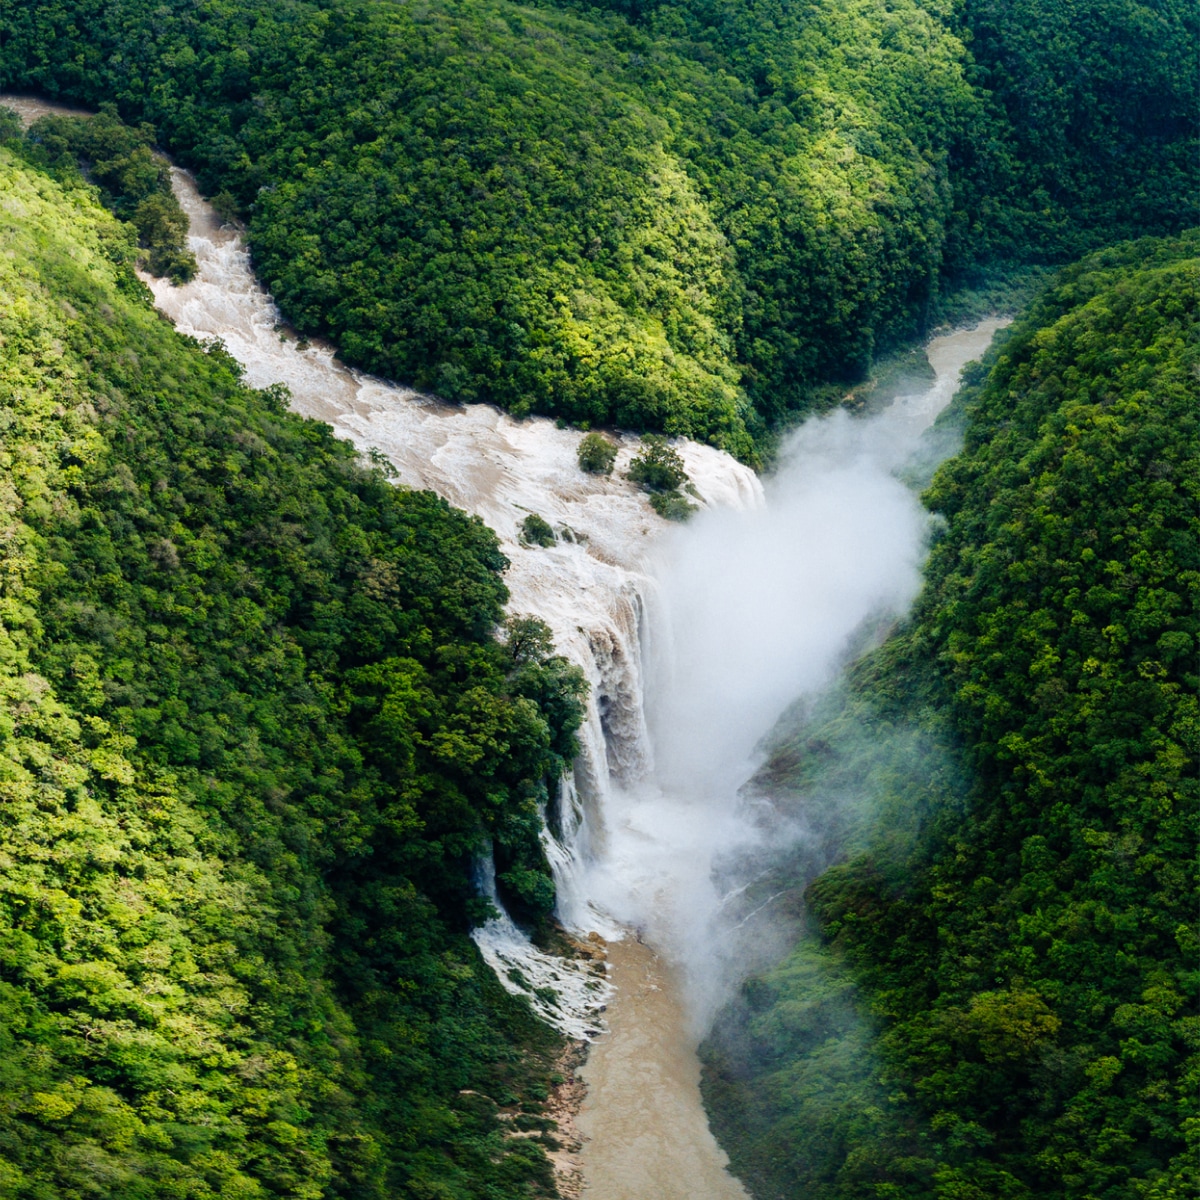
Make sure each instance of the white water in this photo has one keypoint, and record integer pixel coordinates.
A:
(591, 588)
(694, 641)
(752, 610)
(564, 993)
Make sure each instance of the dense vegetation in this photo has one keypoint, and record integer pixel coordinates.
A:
(681, 216)
(256, 722)
(255, 729)
(134, 182)
(999, 996)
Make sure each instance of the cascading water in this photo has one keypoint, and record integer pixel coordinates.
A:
(693, 642)
(590, 587)
(558, 990)
(754, 610)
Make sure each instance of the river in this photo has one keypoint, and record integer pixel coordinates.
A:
(691, 648)
(752, 609)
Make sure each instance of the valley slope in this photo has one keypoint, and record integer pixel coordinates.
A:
(998, 993)
(697, 217)
(256, 730)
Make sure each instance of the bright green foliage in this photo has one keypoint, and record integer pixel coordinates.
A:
(659, 470)
(134, 182)
(1016, 905)
(597, 454)
(682, 216)
(658, 467)
(537, 531)
(254, 731)
(672, 506)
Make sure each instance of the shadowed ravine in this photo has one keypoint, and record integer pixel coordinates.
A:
(633, 853)
(694, 640)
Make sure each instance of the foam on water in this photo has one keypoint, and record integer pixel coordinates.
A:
(561, 991)
(591, 587)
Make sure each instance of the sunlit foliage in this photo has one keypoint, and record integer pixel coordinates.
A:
(1007, 1007)
(134, 181)
(687, 217)
(254, 732)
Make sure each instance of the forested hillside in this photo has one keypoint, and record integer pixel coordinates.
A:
(255, 728)
(682, 216)
(999, 994)
(260, 712)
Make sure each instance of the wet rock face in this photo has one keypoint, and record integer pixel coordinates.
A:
(590, 583)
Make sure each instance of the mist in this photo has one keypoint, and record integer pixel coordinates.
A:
(752, 612)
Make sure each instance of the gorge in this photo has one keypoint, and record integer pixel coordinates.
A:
(393, 804)
(637, 605)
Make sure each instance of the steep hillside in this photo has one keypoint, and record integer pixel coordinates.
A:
(998, 997)
(254, 731)
(684, 216)
(1099, 112)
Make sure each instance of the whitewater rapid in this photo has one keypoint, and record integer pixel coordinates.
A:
(694, 640)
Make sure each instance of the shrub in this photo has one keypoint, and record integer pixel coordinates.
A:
(674, 506)
(597, 454)
(537, 531)
(658, 468)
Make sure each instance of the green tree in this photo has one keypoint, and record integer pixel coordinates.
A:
(657, 467)
(597, 454)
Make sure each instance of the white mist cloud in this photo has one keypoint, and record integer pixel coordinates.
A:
(754, 610)
(762, 605)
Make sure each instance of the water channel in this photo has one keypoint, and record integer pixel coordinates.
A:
(692, 650)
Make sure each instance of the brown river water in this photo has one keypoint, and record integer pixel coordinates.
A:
(646, 1132)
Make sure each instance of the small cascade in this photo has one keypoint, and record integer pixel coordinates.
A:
(564, 992)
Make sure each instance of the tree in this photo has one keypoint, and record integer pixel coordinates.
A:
(597, 454)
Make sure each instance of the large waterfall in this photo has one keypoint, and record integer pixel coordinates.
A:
(593, 587)
(693, 639)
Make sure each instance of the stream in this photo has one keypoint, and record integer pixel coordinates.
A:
(693, 639)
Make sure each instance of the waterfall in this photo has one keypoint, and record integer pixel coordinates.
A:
(566, 993)
(593, 587)
(721, 623)
(635, 841)
(751, 611)
(693, 642)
